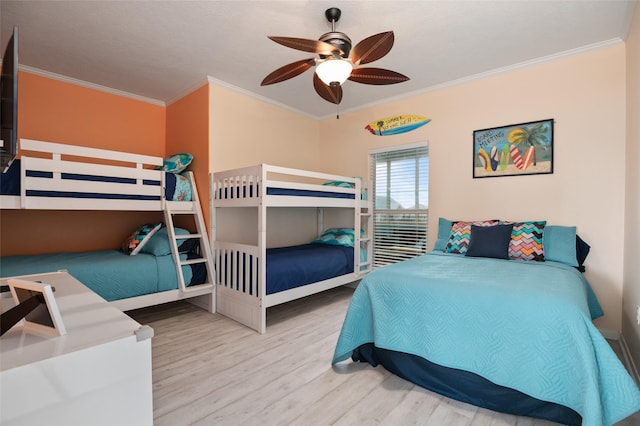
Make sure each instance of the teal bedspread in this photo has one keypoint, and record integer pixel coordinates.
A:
(111, 274)
(523, 325)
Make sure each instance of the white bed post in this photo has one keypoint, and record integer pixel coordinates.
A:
(357, 211)
(262, 244)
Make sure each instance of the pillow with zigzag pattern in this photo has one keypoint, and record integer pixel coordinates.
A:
(527, 241)
(460, 235)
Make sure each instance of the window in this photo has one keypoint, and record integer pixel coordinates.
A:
(400, 213)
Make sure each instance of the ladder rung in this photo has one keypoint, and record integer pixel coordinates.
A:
(193, 261)
(197, 287)
(182, 212)
(187, 236)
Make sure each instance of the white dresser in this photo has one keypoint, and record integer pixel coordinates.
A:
(98, 373)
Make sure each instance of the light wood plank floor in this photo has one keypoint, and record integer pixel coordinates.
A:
(210, 370)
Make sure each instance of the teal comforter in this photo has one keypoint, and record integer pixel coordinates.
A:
(111, 274)
(523, 325)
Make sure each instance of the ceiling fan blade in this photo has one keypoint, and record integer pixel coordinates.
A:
(377, 76)
(372, 48)
(331, 94)
(307, 45)
(288, 71)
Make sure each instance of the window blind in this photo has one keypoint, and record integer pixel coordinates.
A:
(400, 214)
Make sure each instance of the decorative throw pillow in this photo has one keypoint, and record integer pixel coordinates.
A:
(176, 163)
(444, 229)
(158, 244)
(582, 251)
(139, 238)
(337, 237)
(490, 241)
(560, 244)
(527, 241)
(339, 183)
(461, 234)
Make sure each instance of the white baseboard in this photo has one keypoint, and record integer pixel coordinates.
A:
(626, 354)
(611, 335)
(631, 366)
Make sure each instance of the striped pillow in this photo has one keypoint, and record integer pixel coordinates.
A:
(460, 235)
(526, 241)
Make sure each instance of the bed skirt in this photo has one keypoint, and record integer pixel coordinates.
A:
(464, 386)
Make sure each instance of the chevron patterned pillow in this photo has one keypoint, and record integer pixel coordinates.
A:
(461, 235)
(526, 241)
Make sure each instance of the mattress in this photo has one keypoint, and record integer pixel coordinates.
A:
(111, 274)
(295, 266)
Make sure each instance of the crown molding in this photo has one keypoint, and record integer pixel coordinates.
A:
(88, 85)
(445, 85)
(490, 73)
(259, 97)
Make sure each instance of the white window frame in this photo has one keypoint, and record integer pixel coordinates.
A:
(402, 244)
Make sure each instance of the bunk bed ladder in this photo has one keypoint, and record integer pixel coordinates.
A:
(366, 240)
(193, 208)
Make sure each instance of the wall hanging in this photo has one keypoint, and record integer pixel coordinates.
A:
(396, 125)
(514, 150)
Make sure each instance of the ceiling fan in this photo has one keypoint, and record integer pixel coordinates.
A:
(336, 61)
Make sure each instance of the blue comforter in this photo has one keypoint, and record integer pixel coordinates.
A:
(523, 325)
(291, 267)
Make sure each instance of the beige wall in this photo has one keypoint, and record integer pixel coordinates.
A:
(585, 94)
(631, 294)
(247, 131)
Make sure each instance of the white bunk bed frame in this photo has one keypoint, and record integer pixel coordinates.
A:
(232, 259)
(92, 161)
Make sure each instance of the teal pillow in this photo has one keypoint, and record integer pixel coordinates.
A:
(176, 163)
(560, 244)
(337, 237)
(444, 229)
(339, 183)
(158, 244)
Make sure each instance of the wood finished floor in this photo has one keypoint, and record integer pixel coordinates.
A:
(210, 370)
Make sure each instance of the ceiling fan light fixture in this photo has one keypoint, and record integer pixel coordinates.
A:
(334, 72)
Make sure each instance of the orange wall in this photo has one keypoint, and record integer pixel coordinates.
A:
(188, 131)
(57, 111)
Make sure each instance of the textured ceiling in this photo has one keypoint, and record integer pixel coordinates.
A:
(160, 50)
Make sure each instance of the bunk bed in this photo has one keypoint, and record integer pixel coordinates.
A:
(53, 176)
(253, 277)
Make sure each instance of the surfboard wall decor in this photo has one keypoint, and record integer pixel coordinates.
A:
(396, 125)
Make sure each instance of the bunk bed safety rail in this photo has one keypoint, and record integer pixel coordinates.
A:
(237, 267)
(51, 182)
(244, 184)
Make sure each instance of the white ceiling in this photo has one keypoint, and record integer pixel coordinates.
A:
(161, 50)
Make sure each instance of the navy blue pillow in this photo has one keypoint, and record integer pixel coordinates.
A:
(582, 251)
(490, 241)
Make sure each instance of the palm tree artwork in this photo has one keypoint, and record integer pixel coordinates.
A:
(532, 136)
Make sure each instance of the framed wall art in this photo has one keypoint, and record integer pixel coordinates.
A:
(514, 150)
